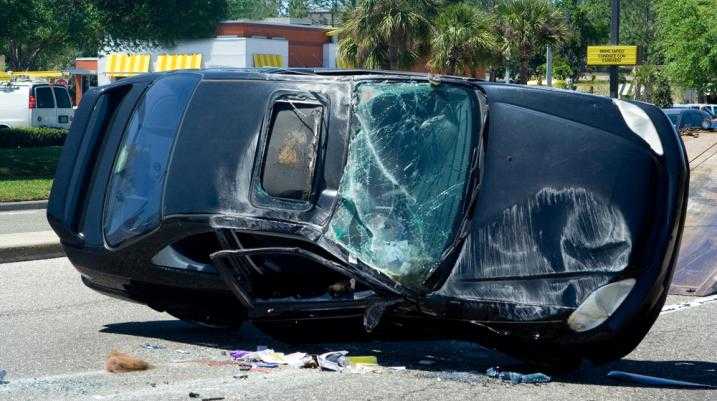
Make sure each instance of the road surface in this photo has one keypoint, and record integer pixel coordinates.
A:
(55, 335)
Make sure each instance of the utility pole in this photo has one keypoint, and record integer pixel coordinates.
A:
(549, 66)
(614, 40)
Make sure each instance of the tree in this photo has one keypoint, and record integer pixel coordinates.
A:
(252, 9)
(39, 34)
(36, 33)
(156, 22)
(687, 34)
(298, 8)
(588, 23)
(527, 27)
(463, 40)
(652, 86)
(386, 34)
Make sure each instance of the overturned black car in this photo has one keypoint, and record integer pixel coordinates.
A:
(543, 222)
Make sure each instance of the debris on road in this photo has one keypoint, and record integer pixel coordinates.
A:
(118, 362)
(654, 380)
(518, 378)
(333, 361)
(362, 360)
(3, 372)
(153, 346)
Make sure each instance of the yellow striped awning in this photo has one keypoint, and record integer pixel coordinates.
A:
(30, 74)
(125, 65)
(171, 62)
(267, 60)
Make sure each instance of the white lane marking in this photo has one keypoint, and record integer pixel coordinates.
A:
(13, 213)
(688, 305)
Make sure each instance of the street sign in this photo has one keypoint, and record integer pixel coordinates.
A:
(612, 55)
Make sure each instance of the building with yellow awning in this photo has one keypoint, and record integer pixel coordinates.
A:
(126, 65)
(267, 60)
(172, 62)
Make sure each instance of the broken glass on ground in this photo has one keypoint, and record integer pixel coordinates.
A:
(405, 178)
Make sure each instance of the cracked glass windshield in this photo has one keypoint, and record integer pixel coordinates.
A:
(402, 190)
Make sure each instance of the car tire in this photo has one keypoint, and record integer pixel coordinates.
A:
(706, 125)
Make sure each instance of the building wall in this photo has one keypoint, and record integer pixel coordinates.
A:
(218, 52)
(305, 42)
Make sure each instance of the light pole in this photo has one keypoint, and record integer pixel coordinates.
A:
(614, 40)
(549, 66)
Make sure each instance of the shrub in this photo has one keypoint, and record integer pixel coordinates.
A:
(31, 137)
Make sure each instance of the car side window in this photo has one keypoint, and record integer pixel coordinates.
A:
(62, 97)
(291, 151)
(43, 97)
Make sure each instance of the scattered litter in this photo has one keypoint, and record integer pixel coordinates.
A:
(362, 360)
(653, 380)
(153, 346)
(3, 372)
(245, 366)
(242, 376)
(239, 354)
(334, 361)
(426, 362)
(193, 395)
(213, 399)
(181, 351)
(396, 367)
(120, 362)
(266, 365)
(517, 378)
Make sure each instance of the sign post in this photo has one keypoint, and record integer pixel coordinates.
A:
(614, 40)
(613, 56)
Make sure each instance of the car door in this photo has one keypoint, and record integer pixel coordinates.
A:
(45, 113)
(64, 109)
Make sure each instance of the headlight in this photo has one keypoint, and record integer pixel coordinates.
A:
(600, 305)
(134, 196)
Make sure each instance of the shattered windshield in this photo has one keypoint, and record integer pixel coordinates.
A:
(401, 193)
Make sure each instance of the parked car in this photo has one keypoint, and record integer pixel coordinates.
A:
(543, 222)
(689, 119)
(34, 104)
(706, 107)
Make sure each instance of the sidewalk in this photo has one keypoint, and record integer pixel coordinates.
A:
(17, 247)
(25, 233)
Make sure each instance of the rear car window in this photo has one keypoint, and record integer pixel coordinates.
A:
(291, 151)
(43, 97)
(62, 97)
(135, 189)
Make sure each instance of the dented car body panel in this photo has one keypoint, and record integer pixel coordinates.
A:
(533, 216)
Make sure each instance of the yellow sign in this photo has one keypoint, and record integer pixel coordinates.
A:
(612, 55)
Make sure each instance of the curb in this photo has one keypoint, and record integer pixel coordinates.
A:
(29, 205)
(29, 246)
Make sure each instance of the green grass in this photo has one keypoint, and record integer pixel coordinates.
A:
(26, 173)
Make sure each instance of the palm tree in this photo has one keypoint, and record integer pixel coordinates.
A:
(527, 27)
(386, 34)
(463, 40)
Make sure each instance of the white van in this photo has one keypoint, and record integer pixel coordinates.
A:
(34, 104)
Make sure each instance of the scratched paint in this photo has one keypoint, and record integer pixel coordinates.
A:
(549, 252)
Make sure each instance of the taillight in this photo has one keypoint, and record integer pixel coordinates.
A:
(32, 102)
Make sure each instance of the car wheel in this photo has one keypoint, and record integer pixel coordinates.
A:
(210, 319)
(706, 124)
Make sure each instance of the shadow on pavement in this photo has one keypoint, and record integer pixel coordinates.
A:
(417, 350)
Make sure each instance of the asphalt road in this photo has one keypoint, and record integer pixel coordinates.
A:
(55, 335)
(23, 221)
